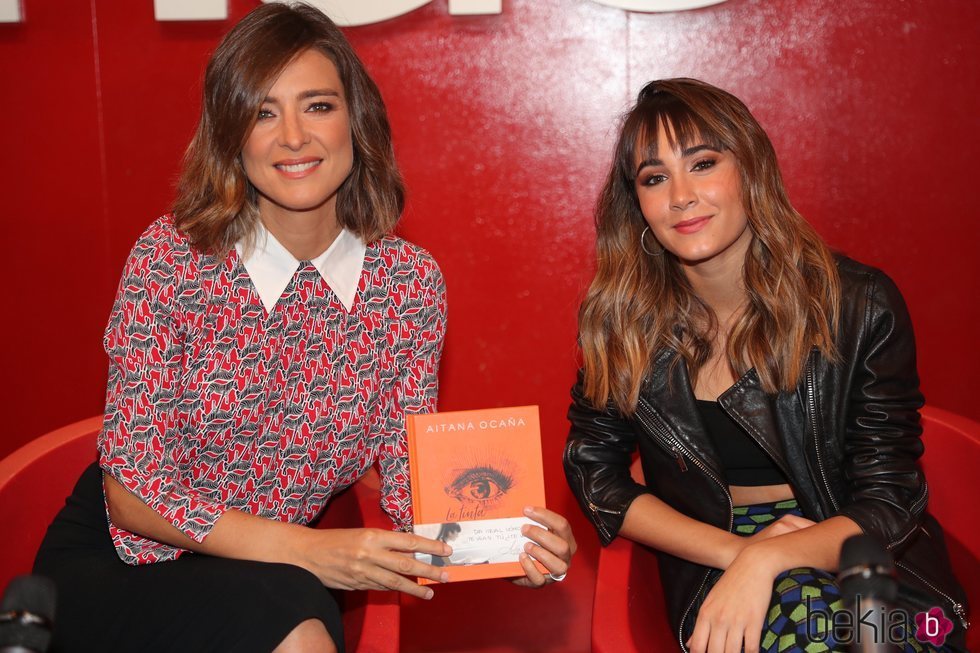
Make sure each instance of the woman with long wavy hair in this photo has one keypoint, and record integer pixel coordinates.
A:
(769, 385)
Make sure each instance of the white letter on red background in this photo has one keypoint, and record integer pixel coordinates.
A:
(658, 5)
(11, 11)
(190, 9)
(364, 12)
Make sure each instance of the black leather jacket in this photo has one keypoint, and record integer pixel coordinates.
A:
(847, 439)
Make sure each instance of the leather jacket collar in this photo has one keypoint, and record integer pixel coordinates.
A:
(667, 402)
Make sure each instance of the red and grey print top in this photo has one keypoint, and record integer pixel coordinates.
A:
(215, 402)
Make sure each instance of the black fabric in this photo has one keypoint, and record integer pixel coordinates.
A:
(743, 461)
(195, 603)
(847, 438)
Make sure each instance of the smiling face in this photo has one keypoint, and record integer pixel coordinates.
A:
(691, 198)
(300, 152)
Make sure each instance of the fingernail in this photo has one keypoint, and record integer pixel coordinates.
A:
(528, 510)
(525, 528)
(444, 577)
(527, 547)
(428, 594)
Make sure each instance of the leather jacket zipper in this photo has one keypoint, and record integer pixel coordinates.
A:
(680, 629)
(958, 608)
(680, 451)
(592, 506)
(679, 458)
(676, 447)
(812, 403)
(916, 507)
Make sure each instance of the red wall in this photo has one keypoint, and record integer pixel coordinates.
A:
(503, 127)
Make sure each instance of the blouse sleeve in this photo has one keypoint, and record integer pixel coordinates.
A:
(416, 384)
(144, 341)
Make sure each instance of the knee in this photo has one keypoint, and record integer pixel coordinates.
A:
(308, 637)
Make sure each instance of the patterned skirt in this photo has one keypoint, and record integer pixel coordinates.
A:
(803, 599)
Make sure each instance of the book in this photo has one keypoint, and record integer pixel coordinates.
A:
(472, 473)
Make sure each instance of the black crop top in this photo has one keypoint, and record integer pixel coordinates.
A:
(744, 462)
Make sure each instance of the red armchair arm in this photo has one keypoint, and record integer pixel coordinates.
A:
(628, 612)
(371, 619)
(34, 481)
(952, 464)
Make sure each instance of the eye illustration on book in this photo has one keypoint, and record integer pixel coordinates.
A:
(484, 485)
(471, 473)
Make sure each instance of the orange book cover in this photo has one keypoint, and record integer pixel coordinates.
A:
(472, 474)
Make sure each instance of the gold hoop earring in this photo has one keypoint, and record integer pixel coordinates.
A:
(643, 244)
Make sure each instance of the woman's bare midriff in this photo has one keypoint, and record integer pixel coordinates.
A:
(746, 495)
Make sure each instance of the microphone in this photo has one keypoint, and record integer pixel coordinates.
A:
(27, 615)
(868, 588)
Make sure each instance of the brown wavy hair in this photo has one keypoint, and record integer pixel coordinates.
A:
(216, 205)
(638, 304)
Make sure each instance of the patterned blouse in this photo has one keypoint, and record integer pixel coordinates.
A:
(216, 403)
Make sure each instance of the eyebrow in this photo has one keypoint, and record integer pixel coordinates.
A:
(694, 149)
(305, 95)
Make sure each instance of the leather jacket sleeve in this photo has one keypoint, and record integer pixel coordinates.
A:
(886, 490)
(597, 461)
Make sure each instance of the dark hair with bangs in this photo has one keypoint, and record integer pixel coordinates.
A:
(683, 128)
(638, 304)
(216, 205)
(450, 528)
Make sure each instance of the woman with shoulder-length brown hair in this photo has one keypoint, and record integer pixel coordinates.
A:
(769, 385)
(217, 205)
(267, 340)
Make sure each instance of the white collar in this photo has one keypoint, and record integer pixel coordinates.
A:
(271, 266)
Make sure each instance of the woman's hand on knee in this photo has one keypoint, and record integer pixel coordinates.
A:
(371, 559)
(552, 544)
(734, 612)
